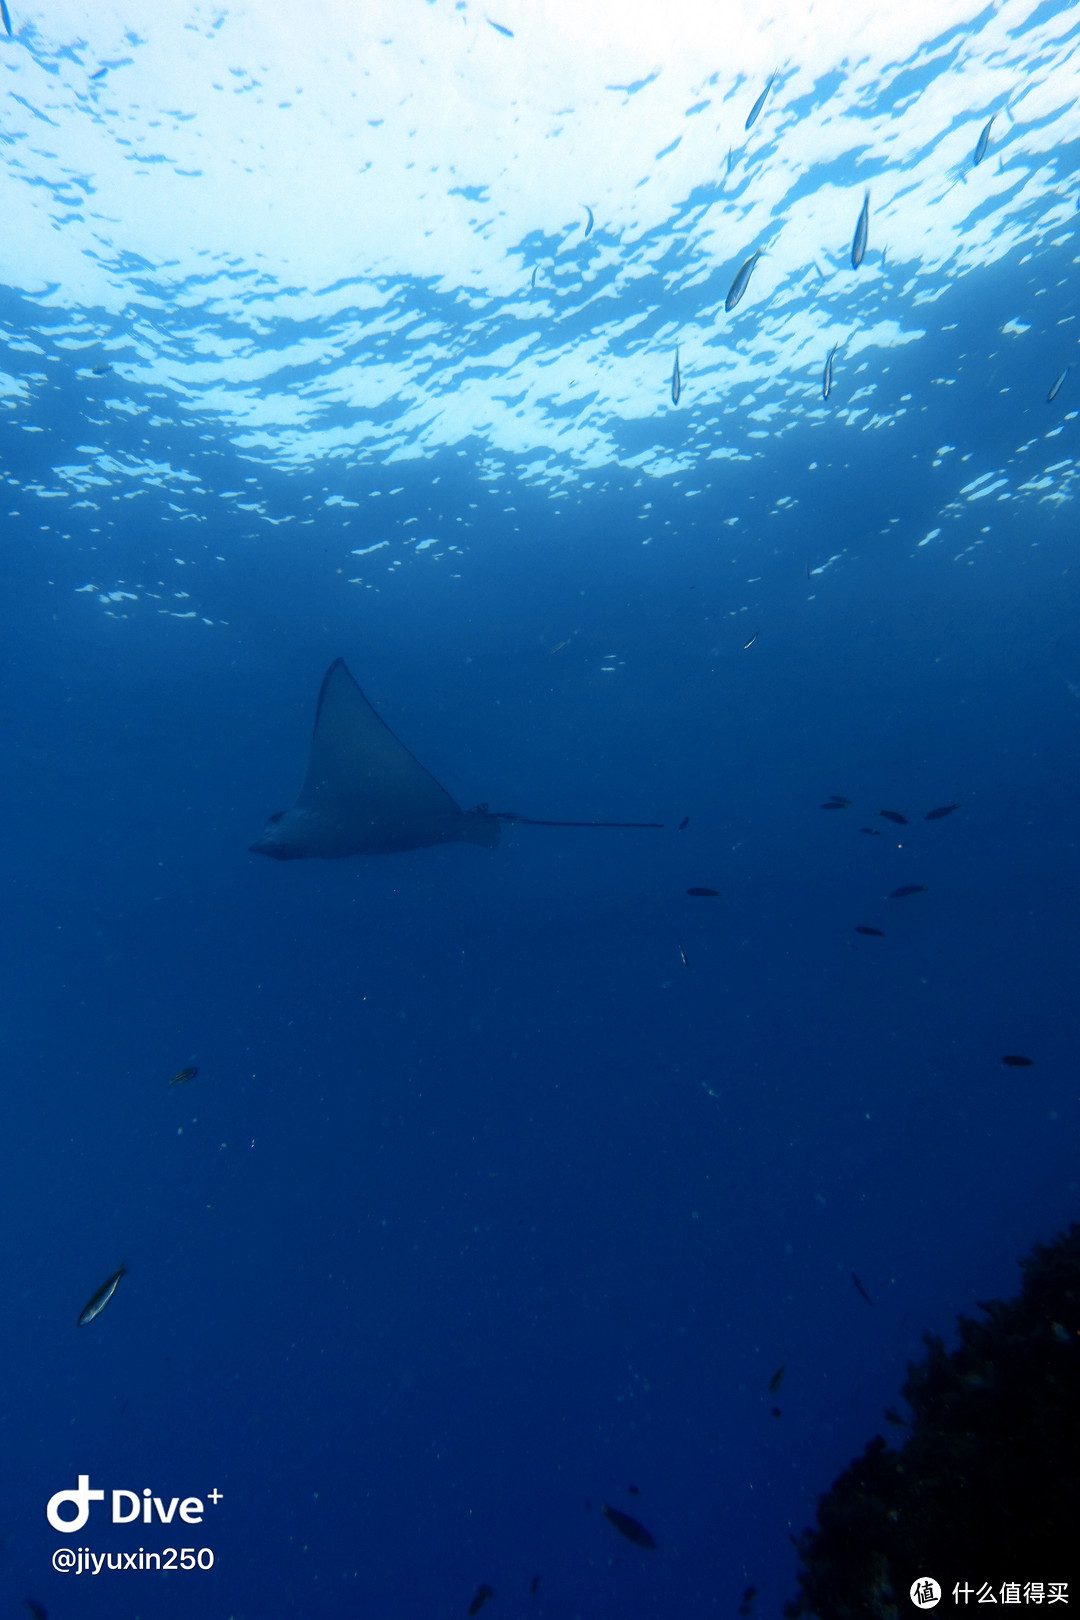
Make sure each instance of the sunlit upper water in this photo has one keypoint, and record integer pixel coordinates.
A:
(351, 240)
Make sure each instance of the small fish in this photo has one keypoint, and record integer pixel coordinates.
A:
(738, 286)
(758, 104)
(101, 371)
(1014, 1060)
(532, 283)
(826, 379)
(684, 823)
(883, 253)
(874, 832)
(508, 33)
(705, 894)
(776, 1413)
(982, 143)
(730, 161)
(893, 1416)
(559, 645)
(589, 226)
(777, 1379)
(38, 1610)
(894, 815)
(5, 13)
(685, 960)
(97, 1302)
(906, 889)
(483, 1592)
(633, 1489)
(535, 1585)
(942, 810)
(748, 644)
(839, 800)
(864, 928)
(1055, 386)
(182, 1077)
(834, 804)
(628, 1527)
(858, 245)
(746, 1607)
(676, 381)
(861, 1289)
(100, 74)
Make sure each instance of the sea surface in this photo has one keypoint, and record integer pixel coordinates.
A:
(510, 1179)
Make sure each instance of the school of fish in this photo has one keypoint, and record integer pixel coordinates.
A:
(858, 253)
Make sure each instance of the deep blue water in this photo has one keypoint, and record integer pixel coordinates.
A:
(509, 1179)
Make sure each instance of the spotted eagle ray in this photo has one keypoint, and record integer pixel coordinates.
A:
(365, 794)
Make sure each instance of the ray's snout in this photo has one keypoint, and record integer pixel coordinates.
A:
(267, 846)
(270, 841)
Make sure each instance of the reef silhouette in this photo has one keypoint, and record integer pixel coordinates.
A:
(986, 1486)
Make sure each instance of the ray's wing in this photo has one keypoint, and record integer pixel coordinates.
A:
(359, 773)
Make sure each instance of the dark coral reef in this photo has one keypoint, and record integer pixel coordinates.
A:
(986, 1487)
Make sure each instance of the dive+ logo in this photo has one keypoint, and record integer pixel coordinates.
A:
(127, 1507)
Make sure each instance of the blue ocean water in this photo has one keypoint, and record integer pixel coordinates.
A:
(509, 1179)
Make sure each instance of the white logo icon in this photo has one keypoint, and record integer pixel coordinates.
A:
(82, 1496)
(925, 1593)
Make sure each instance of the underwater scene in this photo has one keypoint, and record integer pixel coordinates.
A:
(540, 1016)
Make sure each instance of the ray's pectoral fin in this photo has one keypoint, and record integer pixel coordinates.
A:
(364, 793)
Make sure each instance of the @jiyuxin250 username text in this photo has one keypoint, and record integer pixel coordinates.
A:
(84, 1561)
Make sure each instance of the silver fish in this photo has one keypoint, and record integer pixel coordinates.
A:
(826, 380)
(983, 143)
(738, 286)
(758, 104)
(858, 245)
(1055, 386)
(97, 1302)
(589, 211)
(676, 381)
